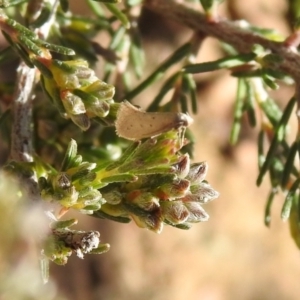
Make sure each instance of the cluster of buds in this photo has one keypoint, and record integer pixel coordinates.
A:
(71, 85)
(154, 200)
(152, 184)
(74, 186)
(165, 189)
(75, 90)
(63, 241)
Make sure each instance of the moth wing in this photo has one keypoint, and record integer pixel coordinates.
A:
(135, 124)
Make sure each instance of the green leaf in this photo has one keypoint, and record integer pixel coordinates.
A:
(85, 96)
(249, 105)
(22, 30)
(120, 178)
(272, 111)
(96, 8)
(281, 129)
(102, 215)
(102, 248)
(9, 3)
(117, 37)
(43, 17)
(183, 103)
(267, 218)
(277, 139)
(27, 43)
(90, 208)
(272, 58)
(260, 144)
(274, 73)
(65, 67)
(56, 48)
(129, 152)
(19, 50)
(184, 226)
(192, 90)
(224, 63)
(179, 54)
(270, 82)
(42, 68)
(117, 13)
(136, 53)
(286, 209)
(268, 161)
(63, 224)
(288, 167)
(238, 111)
(207, 4)
(168, 85)
(53, 93)
(69, 156)
(80, 44)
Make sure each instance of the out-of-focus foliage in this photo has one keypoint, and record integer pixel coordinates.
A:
(23, 226)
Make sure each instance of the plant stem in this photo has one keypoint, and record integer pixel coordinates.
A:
(21, 137)
(229, 32)
(22, 128)
(21, 145)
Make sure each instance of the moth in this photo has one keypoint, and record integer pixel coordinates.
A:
(133, 123)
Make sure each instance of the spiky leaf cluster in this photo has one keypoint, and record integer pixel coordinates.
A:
(152, 183)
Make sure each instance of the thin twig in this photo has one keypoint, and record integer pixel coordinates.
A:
(22, 128)
(229, 32)
(21, 137)
(21, 142)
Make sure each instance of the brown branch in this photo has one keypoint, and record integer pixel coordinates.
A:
(21, 144)
(229, 32)
(21, 136)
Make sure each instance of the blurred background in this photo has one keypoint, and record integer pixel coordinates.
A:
(233, 255)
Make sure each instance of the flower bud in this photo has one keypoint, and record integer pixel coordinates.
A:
(174, 211)
(94, 196)
(81, 171)
(106, 92)
(113, 197)
(81, 120)
(202, 193)
(99, 108)
(176, 189)
(88, 179)
(196, 212)
(114, 210)
(145, 200)
(72, 103)
(61, 181)
(197, 172)
(83, 72)
(183, 166)
(151, 221)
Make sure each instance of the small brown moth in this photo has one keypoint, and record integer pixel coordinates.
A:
(134, 124)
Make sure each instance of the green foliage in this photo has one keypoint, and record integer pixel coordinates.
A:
(79, 161)
(152, 181)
